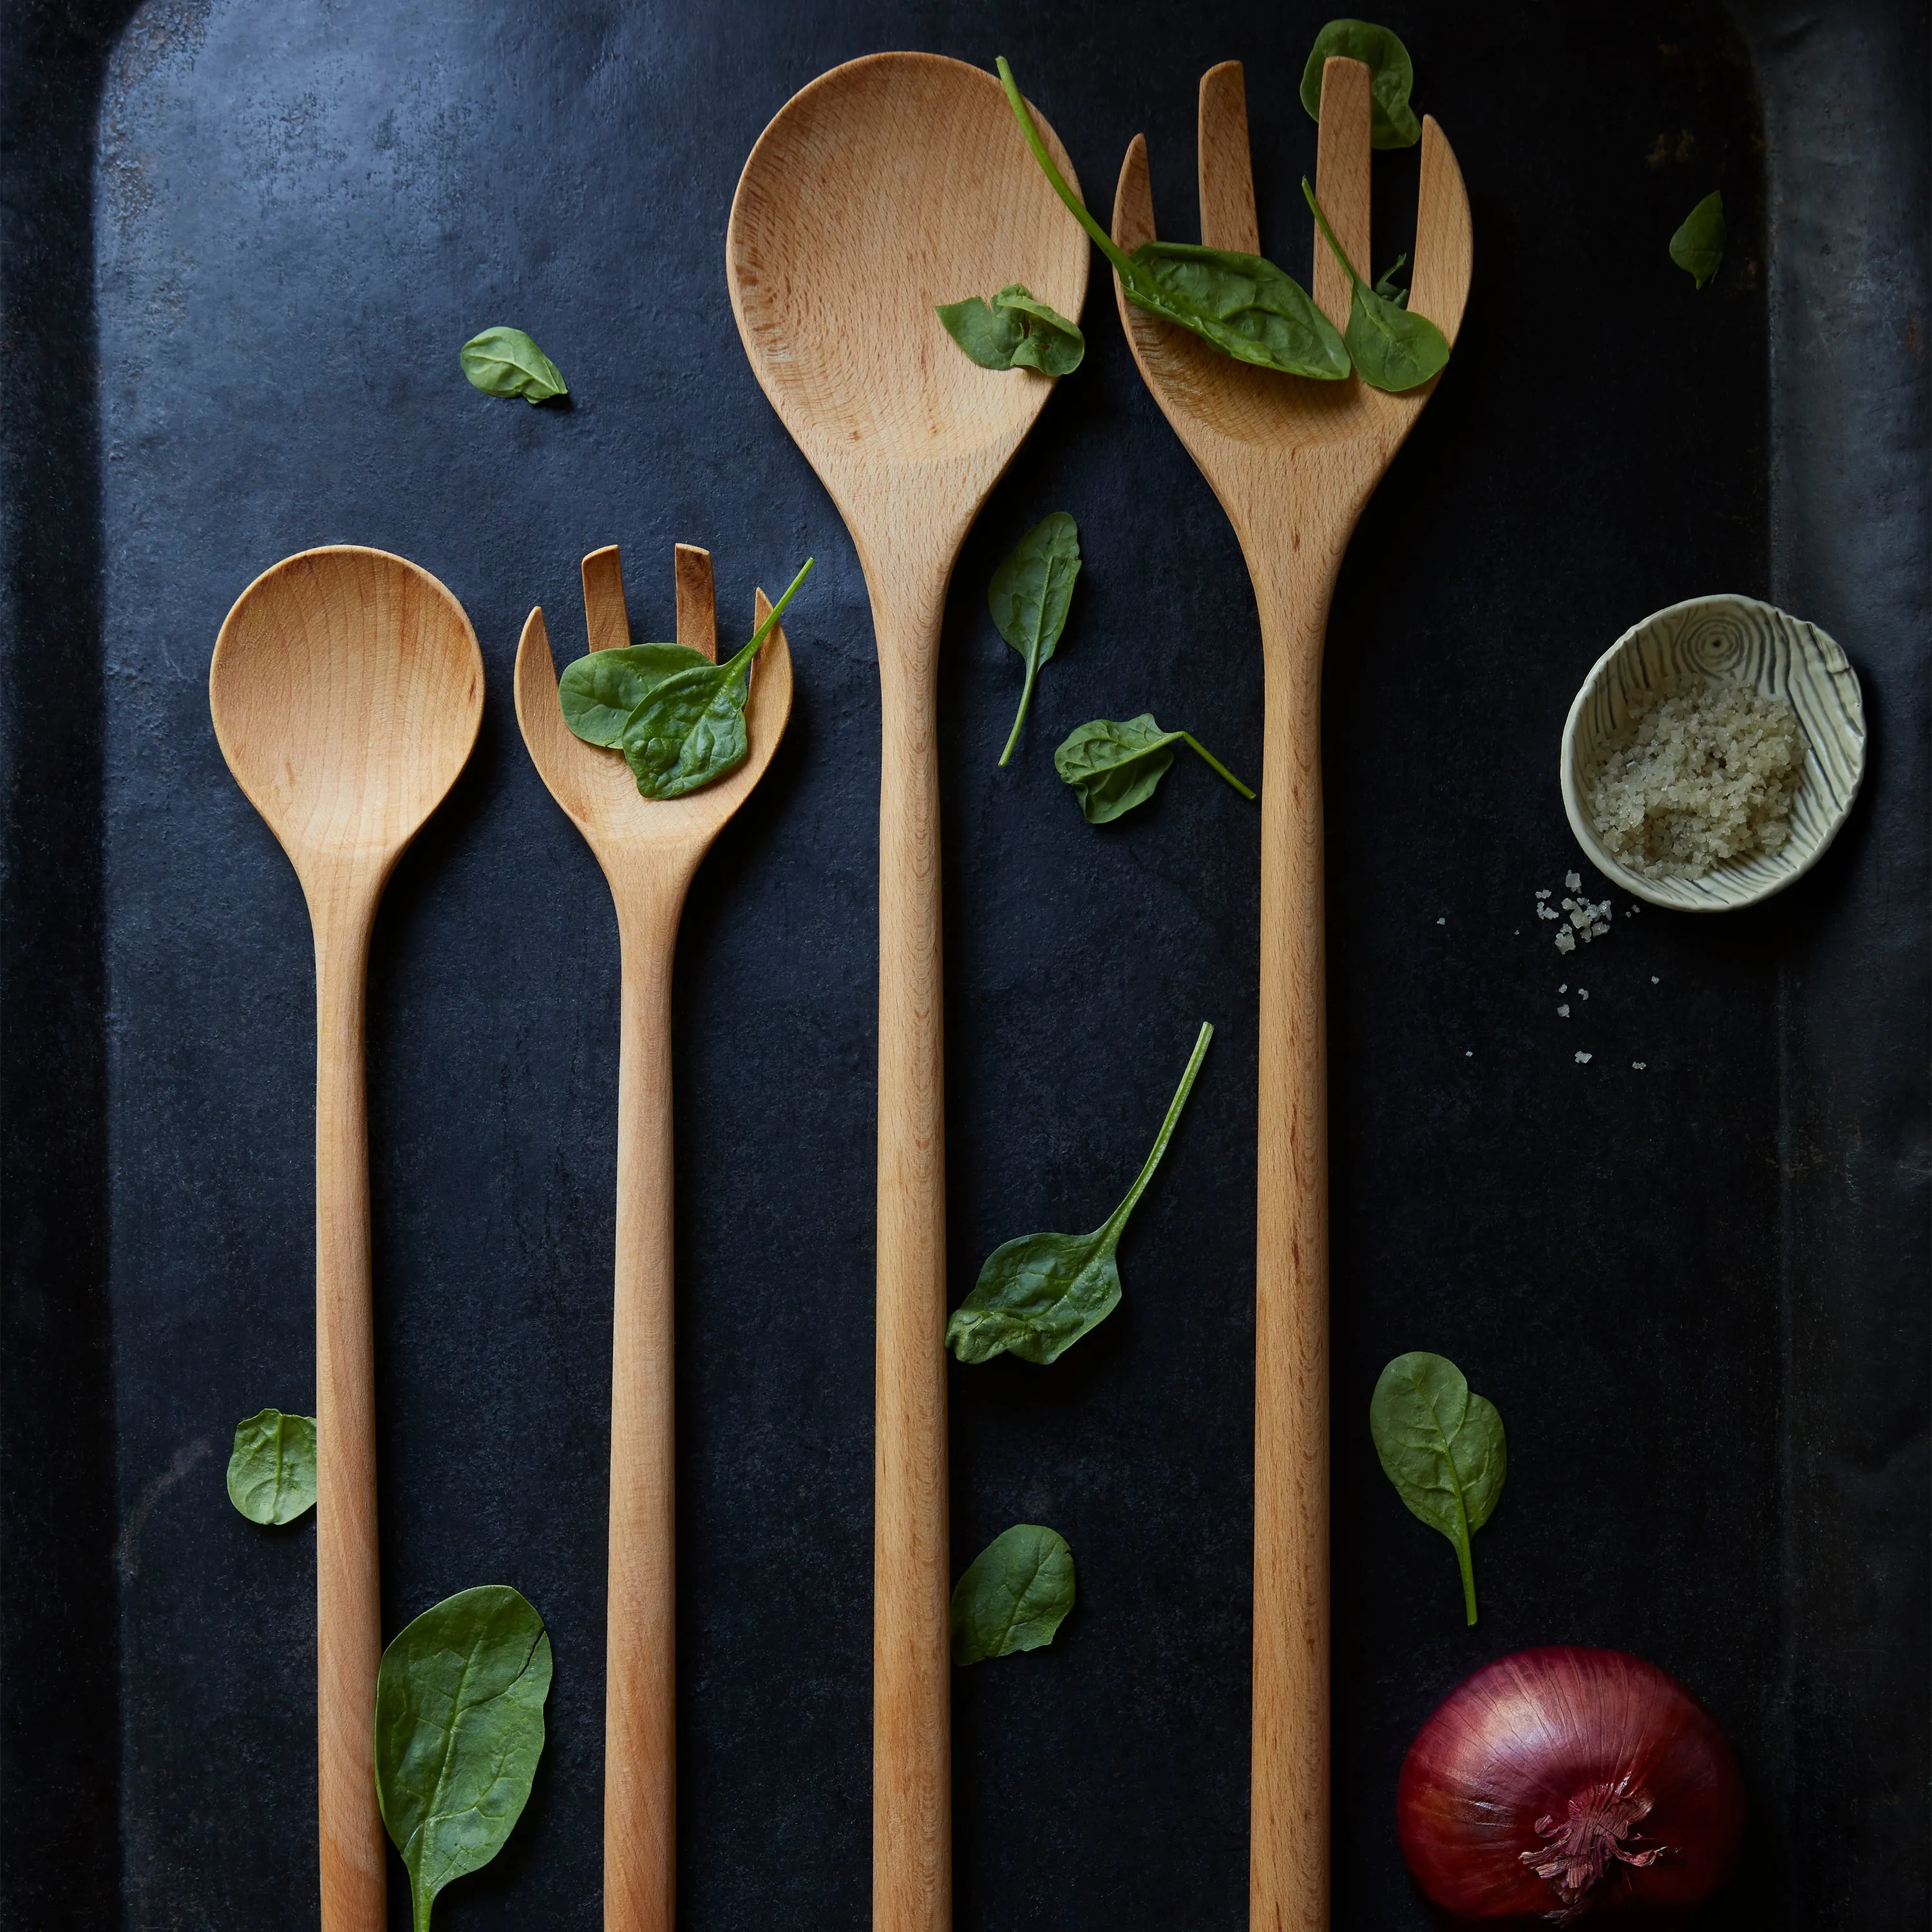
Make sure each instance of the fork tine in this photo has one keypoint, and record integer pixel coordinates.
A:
(604, 616)
(1445, 239)
(697, 602)
(1133, 199)
(1341, 184)
(1227, 176)
(538, 710)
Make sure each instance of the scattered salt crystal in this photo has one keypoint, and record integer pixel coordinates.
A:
(1566, 941)
(1544, 894)
(1563, 1011)
(1564, 988)
(1441, 922)
(1655, 981)
(1573, 880)
(1468, 1053)
(1639, 1064)
(1583, 992)
(1583, 1058)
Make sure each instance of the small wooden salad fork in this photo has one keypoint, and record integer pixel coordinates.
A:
(1293, 463)
(649, 849)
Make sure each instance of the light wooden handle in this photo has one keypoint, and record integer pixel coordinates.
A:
(640, 1691)
(1288, 1870)
(912, 1754)
(348, 1611)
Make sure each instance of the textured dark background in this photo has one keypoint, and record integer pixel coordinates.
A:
(241, 245)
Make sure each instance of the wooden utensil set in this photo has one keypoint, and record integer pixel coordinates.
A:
(346, 690)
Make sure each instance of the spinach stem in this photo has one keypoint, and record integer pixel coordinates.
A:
(1116, 1221)
(1328, 235)
(1217, 764)
(1026, 704)
(1102, 240)
(771, 617)
(1463, 1558)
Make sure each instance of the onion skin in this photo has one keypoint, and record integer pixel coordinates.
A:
(1510, 1749)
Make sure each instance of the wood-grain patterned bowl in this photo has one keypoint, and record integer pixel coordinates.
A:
(1754, 643)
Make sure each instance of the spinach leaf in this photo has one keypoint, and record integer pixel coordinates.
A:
(459, 1728)
(506, 362)
(1242, 304)
(1029, 596)
(1392, 123)
(1394, 349)
(272, 1474)
(1113, 767)
(688, 729)
(1385, 286)
(1443, 1449)
(1014, 1595)
(1698, 246)
(1016, 330)
(599, 690)
(1036, 1296)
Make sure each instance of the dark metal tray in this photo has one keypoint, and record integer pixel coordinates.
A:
(241, 245)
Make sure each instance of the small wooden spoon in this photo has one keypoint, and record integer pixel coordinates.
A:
(888, 185)
(649, 848)
(346, 689)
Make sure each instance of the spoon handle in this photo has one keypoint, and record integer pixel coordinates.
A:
(640, 1682)
(912, 1753)
(349, 1628)
(1288, 1884)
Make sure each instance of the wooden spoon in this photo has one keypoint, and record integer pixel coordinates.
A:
(346, 688)
(1292, 462)
(888, 185)
(649, 849)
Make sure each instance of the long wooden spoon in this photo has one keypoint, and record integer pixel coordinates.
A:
(346, 688)
(888, 185)
(1293, 463)
(649, 848)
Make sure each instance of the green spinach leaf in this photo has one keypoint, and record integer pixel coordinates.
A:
(272, 1474)
(1392, 121)
(1015, 330)
(1698, 246)
(1029, 596)
(598, 691)
(1113, 767)
(1442, 1448)
(506, 362)
(1393, 349)
(1036, 1296)
(1243, 304)
(1014, 1595)
(1385, 286)
(688, 731)
(459, 1728)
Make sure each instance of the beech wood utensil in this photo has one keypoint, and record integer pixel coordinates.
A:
(346, 689)
(649, 849)
(1293, 462)
(891, 184)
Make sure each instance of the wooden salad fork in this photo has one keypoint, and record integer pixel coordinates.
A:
(1293, 462)
(649, 849)
(887, 186)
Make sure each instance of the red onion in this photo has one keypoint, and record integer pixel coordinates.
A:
(1562, 1781)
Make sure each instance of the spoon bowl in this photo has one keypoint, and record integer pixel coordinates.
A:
(346, 689)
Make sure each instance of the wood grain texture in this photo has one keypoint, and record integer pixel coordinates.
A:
(887, 186)
(1292, 462)
(346, 689)
(649, 850)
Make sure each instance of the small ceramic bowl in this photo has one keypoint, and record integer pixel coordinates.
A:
(1756, 644)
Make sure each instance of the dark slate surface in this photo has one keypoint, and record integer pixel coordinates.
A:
(1696, 1290)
